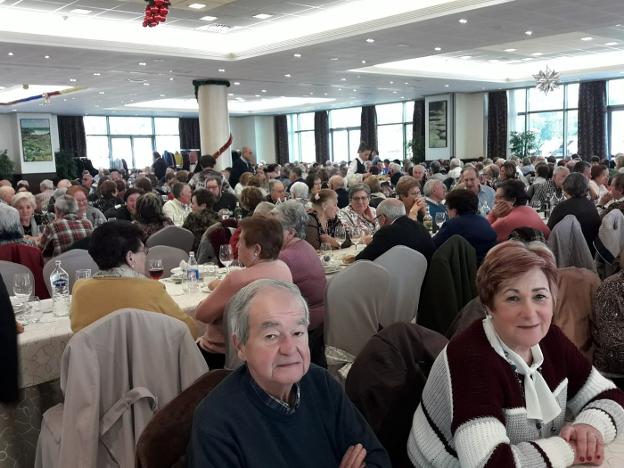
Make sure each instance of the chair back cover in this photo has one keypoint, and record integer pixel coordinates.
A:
(472, 311)
(214, 237)
(170, 256)
(609, 243)
(569, 246)
(29, 257)
(173, 236)
(115, 374)
(355, 300)
(164, 440)
(71, 261)
(9, 269)
(407, 269)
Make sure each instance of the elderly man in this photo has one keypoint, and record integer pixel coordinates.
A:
(337, 184)
(470, 179)
(224, 200)
(542, 193)
(455, 168)
(397, 229)
(276, 192)
(277, 410)
(6, 194)
(178, 209)
(395, 173)
(66, 228)
(614, 198)
(435, 191)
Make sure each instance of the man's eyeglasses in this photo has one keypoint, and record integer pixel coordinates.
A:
(359, 198)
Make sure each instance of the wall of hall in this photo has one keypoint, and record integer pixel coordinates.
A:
(257, 132)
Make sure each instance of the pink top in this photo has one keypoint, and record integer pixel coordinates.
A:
(520, 216)
(211, 309)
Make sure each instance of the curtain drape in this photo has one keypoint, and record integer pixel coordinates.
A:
(72, 137)
(418, 131)
(592, 120)
(281, 139)
(189, 133)
(497, 125)
(368, 126)
(321, 136)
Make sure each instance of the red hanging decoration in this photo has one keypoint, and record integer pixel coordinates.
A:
(156, 12)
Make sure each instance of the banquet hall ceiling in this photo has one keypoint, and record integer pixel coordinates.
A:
(306, 48)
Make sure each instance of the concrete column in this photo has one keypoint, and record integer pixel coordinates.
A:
(214, 119)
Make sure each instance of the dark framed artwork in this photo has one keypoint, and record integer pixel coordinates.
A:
(438, 124)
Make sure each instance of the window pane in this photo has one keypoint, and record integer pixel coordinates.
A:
(142, 152)
(572, 95)
(130, 125)
(340, 146)
(122, 149)
(408, 137)
(540, 101)
(306, 121)
(389, 113)
(169, 143)
(341, 118)
(409, 111)
(549, 129)
(517, 100)
(572, 132)
(166, 126)
(616, 93)
(308, 147)
(292, 122)
(354, 143)
(390, 141)
(97, 151)
(617, 132)
(95, 125)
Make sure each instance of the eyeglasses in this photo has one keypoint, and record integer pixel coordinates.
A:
(359, 198)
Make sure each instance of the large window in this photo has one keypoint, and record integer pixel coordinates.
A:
(615, 94)
(111, 138)
(302, 146)
(394, 129)
(344, 130)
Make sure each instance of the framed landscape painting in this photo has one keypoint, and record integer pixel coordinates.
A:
(438, 124)
(36, 140)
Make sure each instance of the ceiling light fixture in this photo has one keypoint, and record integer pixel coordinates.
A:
(236, 83)
(262, 16)
(587, 38)
(465, 57)
(537, 54)
(264, 90)
(510, 50)
(528, 33)
(10, 54)
(611, 44)
(437, 49)
(208, 18)
(334, 59)
(146, 84)
(73, 80)
(197, 6)
(463, 20)
(343, 79)
(363, 62)
(171, 78)
(446, 86)
(547, 80)
(391, 82)
(287, 75)
(46, 57)
(97, 74)
(221, 70)
(142, 64)
(100, 92)
(370, 40)
(297, 55)
(80, 11)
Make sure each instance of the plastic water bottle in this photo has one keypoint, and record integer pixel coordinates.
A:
(60, 290)
(238, 212)
(192, 274)
(428, 220)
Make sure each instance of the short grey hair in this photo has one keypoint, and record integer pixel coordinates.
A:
(46, 184)
(237, 310)
(273, 183)
(263, 208)
(336, 182)
(293, 216)
(358, 188)
(300, 190)
(559, 169)
(456, 162)
(394, 167)
(9, 220)
(576, 185)
(66, 204)
(29, 197)
(391, 208)
(430, 185)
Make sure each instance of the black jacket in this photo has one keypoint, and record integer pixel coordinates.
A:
(8, 348)
(239, 165)
(160, 168)
(343, 197)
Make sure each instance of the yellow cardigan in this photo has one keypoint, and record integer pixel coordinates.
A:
(94, 298)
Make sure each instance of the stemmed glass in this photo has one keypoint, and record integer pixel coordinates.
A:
(225, 256)
(340, 235)
(440, 219)
(22, 287)
(156, 268)
(356, 237)
(325, 253)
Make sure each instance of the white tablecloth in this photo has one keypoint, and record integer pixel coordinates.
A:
(614, 455)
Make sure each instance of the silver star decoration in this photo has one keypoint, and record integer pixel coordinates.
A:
(547, 80)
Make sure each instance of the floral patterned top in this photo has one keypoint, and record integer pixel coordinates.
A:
(350, 219)
(607, 324)
(197, 223)
(314, 230)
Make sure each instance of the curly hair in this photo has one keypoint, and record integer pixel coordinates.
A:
(149, 209)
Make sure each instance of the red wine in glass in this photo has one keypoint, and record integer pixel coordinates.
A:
(156, 273)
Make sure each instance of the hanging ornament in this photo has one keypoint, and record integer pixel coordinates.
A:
(46, 98)
(156, 12)
(547, 80)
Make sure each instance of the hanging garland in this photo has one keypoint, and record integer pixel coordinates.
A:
(156, 12)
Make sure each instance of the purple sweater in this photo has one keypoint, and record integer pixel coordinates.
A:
(309, 276)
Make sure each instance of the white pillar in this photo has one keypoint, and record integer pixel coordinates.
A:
(214, 119)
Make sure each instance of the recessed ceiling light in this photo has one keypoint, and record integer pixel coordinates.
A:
(197, 6)
(208, 18)
(262, 16)
(221, 70)
(297, 55)
(611, 44)
(80, 11)
(142, 64)
(230, 94)
(446, 86)
(527, 59)
(463, 20)
(343, 79)
(339, 89)
(263, 90)
(402, 97)
(334, 59)
(324, 94)
(236, 83)
(587, 38)
(257, 95)
(46, 57)
(395, 92)
(370, 40)
(391, 82)
(100, 92)
(528, 33)
(287, 75)
(10, 54)
(406, 83)
(363, 61)
(465, 57)
(97, 74)
(162, 95)
(146, 84)
(537, 54)
(510, 50)
(437, 49)
(171, 78)
(354, 90)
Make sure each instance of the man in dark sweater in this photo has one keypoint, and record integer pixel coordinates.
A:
(397, 229)
(276, 410)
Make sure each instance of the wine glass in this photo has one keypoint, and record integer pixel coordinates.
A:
(225, 256)
(440, 219)
(325, 253)
(155, 268)
(340, 235)
(356, 237)
(22, 287)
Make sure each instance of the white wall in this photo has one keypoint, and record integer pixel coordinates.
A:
(469, 125)
(9, 139)
(258, 133)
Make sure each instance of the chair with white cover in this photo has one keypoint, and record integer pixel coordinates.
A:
(355, 299)
(9, 269)
(170, 256)
(407, 268)
(111, 390)
(173, 236)
(71, 261)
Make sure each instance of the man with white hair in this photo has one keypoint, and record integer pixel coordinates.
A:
(455, 168)
(277, 410)
(6, 194)
(435, 191)
(337, 184)
(395, 173)
(397, 229)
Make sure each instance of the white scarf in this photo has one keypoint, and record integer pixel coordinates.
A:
(541, 404)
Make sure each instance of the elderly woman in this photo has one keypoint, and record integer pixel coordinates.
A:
(25, 203)
(202, 215)
(149, 215)
(323, 221)
(419, 172)
(107, 196)
(299, 191)
(11, 227)
(598, 183)
(80, 194)
(259, 246)
(358, 214)
(306, 269)
(575, 187)
(121, 283)
(500, 392)
(408, 191)
(510, 211)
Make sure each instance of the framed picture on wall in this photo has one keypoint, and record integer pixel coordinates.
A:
(438, 124)
(36, 140)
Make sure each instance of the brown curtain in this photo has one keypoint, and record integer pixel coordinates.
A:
(497, 125)
(321, 136)
(368, 126)
(189, 133)
(592, 120)
(281, 138)
(72, 137)
(418, 131)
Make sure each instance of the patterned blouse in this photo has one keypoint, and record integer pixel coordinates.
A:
(350, 218)
(197, 223)
(607, 324)
(314, 230)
